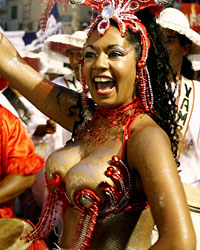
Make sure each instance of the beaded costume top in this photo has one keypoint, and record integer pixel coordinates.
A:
(118, 198)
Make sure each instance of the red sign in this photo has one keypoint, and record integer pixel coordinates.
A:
(192, 11)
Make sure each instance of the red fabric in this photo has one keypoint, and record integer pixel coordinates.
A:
(192, 10)
(3, 83)
(38, 245)
(17, 153)
(6, 210)
(34, 63)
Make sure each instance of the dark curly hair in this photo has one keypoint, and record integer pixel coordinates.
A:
(159, 69)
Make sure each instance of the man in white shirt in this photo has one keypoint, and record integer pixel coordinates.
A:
(69, 46)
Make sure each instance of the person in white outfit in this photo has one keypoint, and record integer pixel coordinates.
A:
(69, 46)
(180, 38)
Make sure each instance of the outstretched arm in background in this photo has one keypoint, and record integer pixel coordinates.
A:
(14, 185)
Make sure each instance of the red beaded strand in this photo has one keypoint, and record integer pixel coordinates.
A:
(56, 192)
(82, 80)
(87, 219)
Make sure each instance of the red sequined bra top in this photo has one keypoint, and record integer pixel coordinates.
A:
(122, 197)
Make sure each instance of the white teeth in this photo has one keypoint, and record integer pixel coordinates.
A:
(102, 79)
(105, 90)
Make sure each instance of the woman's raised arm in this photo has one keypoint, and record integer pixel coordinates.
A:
(54, 101)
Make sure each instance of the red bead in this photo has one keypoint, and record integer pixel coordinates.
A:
(115, 158)
(141, 64)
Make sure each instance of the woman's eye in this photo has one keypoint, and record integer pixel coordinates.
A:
(170, 41)
(89, 54)
(115, 54)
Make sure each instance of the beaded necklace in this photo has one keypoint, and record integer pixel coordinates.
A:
(110, 121)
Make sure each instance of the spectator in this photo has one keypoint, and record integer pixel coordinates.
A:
(19, 162)
(71, 47)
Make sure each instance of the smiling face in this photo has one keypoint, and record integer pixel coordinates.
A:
(110, 68)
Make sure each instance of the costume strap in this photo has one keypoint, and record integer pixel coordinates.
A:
(128, 130)
(56, 194)
(66, 82)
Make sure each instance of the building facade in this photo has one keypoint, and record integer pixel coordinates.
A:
(25, 15)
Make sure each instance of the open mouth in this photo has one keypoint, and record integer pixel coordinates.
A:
(104, 85)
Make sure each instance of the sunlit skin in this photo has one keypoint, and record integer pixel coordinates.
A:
(104, 57)
(74, 57)
(177, 51)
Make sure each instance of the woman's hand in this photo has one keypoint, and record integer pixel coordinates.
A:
(43, 129)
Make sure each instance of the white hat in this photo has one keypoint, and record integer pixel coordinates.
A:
(55, 50)
(55, 46)
(76, 40)
(176, 20)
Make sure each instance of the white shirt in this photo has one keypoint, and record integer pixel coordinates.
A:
(190, 156)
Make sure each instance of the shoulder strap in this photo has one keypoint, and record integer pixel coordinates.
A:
(126, 136)
(66, 82)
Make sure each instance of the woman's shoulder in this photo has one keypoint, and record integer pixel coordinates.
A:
(144, 123)
(146, 132)
(147, 142)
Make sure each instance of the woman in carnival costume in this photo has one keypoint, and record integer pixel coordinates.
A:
(121, 163)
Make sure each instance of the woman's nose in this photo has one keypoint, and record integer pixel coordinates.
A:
(74, 60)
(101, 61)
